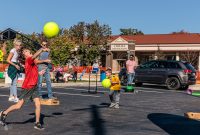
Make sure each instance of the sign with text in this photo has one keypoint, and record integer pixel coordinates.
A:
(119, 47)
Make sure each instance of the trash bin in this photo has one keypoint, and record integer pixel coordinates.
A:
(102, 75)
(1, 75)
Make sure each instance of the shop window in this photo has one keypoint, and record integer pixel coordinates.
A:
(170, 57)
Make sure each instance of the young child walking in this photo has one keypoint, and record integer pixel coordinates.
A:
(29, 87)
(114, 93)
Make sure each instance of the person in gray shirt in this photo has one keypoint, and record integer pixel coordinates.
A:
(46, 67)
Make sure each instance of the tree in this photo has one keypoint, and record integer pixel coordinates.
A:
(83, 54)
(97, 34)
(130, 31)
(61, 49)
(91, 39)
(77, 32)
(159, 54)
(180, 32)
(61, 46)
(190, 56)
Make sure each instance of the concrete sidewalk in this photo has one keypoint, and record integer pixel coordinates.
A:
(195, 87)
(92, 84)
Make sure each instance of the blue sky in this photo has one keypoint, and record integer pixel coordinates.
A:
(149, 16)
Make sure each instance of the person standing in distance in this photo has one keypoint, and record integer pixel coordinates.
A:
(46, 67)
(131, 66)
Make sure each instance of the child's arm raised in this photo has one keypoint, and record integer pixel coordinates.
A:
(37, 61)
(39, 51)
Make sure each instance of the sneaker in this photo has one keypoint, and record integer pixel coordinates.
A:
(112, 105)
(11, 98)
(2, 118)
(38, 126)
(16, 100)
(53, 97)
(116, 106)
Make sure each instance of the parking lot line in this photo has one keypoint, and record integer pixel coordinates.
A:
(83, 89)
(108, 91)
(150, 91)
(4, 95)
(71, 94)
(160, 90)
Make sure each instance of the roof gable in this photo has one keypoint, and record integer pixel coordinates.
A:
(119, 40)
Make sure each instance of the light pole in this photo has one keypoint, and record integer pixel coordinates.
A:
(128, 52)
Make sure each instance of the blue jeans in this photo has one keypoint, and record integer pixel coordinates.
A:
(114, 96)
(48, 82)
(95, 70)
(82, 74)
(13, 87)
(131, 77)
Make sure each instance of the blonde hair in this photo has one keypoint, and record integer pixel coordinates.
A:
(17, 41)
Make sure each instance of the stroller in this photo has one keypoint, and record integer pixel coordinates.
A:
(59, 76)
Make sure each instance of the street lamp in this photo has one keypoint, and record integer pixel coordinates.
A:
(128, 52)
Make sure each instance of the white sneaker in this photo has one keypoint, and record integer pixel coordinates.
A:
(11, 99)
(16, 100)
(112, 105)
(116, 106)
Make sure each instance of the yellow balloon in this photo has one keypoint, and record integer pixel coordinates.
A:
(51, 29)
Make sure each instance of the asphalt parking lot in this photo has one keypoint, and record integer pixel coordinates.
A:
(152, 110)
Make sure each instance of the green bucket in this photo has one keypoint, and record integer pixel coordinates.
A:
(1, 75)
(129, 88)
(195, 93)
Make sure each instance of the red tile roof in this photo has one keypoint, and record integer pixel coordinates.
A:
(178, 38)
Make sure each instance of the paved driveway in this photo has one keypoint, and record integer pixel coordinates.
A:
(152, 111)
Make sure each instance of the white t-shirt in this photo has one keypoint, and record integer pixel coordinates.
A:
(95, 65)
(15, 56)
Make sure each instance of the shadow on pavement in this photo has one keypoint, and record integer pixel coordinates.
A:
(97, 123)
(32, 120)
(175, 124)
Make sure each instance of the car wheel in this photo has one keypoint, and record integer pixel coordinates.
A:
(173, 83)
(138, 84)
(184, 87)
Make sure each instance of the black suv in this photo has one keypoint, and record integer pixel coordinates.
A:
(175, 74)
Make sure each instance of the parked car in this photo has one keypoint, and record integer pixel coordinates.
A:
(175, 74)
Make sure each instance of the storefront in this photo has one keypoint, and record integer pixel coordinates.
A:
(184, 46)
(119, 51)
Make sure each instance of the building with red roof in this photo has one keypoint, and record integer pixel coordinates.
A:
(175, 46)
